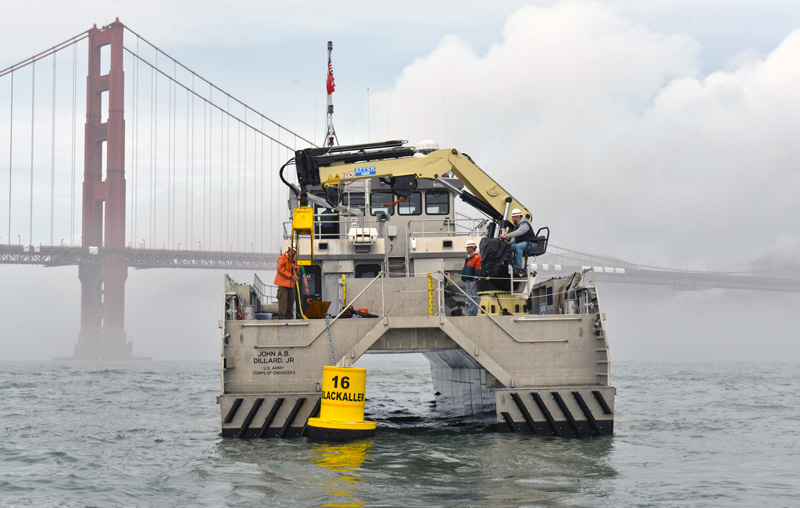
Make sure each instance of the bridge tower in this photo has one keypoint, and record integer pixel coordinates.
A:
(102, 335)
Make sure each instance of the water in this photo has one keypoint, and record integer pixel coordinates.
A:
(147, 434)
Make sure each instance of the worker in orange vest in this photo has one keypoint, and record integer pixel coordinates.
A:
(472, 268)
(285, 279)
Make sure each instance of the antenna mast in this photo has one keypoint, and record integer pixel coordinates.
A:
(330, 134)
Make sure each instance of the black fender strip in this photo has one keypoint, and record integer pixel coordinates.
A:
(271, 417)
(249, 419)
(564, 409)
(232, 412)
(588, 413)
(296, 409)
(314, 414)
(546, 412)
(525, 413)
(602, 401)
(510, 421)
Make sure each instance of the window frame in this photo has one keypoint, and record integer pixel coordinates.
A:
(446, 202)
(419, 206)
(388, 210)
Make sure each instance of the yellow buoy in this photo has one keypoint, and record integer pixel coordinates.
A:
(341, 413)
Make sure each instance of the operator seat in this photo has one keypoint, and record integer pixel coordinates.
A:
(540, 247)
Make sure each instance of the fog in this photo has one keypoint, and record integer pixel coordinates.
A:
(173, 315)
(662, 324)
(661, 133)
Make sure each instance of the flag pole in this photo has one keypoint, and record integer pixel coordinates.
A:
(330, 85)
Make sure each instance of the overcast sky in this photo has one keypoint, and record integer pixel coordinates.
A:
(660, 132)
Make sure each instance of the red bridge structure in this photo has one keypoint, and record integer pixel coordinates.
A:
(103, 255)
(188, 146)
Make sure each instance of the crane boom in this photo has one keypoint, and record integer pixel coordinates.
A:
(318, 166)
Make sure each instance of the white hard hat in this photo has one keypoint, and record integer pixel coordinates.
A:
(516, 212)
(472, 244)
(427, 146)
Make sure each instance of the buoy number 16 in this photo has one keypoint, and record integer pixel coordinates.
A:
(345, 382)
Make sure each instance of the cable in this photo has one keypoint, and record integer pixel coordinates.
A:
(297, 286)
(33, 109)
(280, 174)
(53, 156)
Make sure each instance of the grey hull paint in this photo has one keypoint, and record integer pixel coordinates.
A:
(476, 363)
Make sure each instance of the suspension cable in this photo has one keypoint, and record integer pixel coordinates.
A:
(191, 194)
(205, 146)
(155, 164)
(33, 109)
(44, 54)
(53, 155)
(132, 98)
(228, 179)
(255, 186)
(244, 191)
(222, 225)
(238, 181)
(136, 175)
(170, 182)
(10, 155)
(261, 247)
(174, 154)
(210, 171)
(227, 110)
(74, 146)
(152, 155)
(186, 201)
(229, 96)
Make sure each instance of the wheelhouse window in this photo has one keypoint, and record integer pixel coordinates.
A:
(412, 206)
(378, 202)
(326, 221)
(437, 202)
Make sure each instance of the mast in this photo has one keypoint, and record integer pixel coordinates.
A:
(330, 134)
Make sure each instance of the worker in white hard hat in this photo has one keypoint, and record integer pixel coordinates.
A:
(472, 268)
(523, 237)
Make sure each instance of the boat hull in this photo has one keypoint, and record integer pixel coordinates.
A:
(541, 373)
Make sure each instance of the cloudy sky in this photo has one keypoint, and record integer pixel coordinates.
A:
(659, 132)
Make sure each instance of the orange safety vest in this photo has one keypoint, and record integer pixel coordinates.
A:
(283, 277)
(472, 268)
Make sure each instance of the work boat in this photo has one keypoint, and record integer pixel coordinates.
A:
(376, 233)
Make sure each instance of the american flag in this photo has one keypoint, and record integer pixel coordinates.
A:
(331, 85)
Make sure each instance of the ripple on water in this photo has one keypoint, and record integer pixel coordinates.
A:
(148, 435)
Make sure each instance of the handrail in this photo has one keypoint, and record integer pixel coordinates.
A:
(232, 285)
(379, 276)
(257, 285)
(445, 220)
(481, 308)
(408, 251)
(461, 227)
(260, 288)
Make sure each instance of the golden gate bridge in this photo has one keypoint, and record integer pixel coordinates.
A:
(184, 181)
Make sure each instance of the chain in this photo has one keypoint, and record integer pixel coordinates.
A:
(330, 338)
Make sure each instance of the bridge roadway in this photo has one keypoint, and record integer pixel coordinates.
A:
(48, 255)
(688, 280)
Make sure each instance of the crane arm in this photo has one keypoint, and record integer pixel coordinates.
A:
(391, 160)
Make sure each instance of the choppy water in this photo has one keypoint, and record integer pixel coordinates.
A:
(147, 434)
